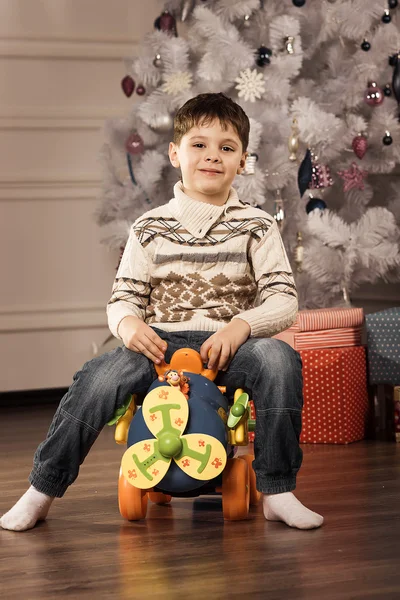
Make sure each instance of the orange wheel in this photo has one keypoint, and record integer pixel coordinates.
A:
(159, 497)
(255, 495)
(235, 490)
(132, 501)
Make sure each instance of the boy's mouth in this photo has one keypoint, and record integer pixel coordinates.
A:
(211, 171)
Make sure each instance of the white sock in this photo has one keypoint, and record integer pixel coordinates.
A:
(32, 507)
(285, 507)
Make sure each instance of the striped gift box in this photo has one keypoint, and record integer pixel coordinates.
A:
(327, 338)
(325, 328)
(328, 318)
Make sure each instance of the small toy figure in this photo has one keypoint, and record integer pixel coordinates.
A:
(177, 379)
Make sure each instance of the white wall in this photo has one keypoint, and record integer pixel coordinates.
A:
(61, 63)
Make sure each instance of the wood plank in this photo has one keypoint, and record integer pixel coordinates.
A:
(86, 550)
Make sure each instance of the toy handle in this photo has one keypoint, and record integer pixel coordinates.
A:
(186, 359)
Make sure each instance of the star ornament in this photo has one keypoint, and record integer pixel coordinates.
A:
(353, 177)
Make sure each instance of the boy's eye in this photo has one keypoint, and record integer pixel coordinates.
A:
(200, 145)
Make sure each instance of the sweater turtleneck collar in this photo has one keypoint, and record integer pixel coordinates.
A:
(198, 217)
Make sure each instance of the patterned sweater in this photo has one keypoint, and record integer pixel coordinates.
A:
(189, 265)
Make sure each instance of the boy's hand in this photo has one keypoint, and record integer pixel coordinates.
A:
(139, 337)
(224, 344)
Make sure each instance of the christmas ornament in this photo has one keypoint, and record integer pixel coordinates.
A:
(305, 173)
(321, 175)
(299, 253)
(315, 204)
(386, 18)
(373, 95)
(263, 56)
(392, 3)
(166, 22)
(353, 177)
(140, 90)
(157, 62)
(387, 90)
(251, 84)
(393, 59)
(250, 166)
(396, 81)
(134, 144)
(289, 44)
(365, 46)
(162, 123)
(187, 9)
(387, 139)
(129, 159)
(176, 83)
(293, 142)
(299, 3)
(128, 85)
(360, 145)
(246, 21)
(279, 211)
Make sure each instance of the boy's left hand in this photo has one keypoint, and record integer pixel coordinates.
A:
(224, 344)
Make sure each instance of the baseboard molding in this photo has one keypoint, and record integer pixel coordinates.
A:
(32, 397)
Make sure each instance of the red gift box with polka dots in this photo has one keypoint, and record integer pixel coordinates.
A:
(335, 396)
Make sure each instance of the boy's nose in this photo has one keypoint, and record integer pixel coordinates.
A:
(212, 159)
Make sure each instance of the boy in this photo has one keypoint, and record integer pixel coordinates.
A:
(189, 277)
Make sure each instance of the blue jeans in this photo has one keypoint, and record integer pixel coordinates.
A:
(268, 369)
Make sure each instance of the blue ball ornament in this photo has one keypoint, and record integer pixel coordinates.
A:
(315, 203)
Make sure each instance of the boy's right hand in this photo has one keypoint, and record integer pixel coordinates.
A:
(139, 337)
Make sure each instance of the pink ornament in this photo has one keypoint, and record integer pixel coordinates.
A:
(360, 145)
(134, 144)
(167, 22)
(373, 95)
(321, 177)
(128, 85)
(353, 177)
(140, 90)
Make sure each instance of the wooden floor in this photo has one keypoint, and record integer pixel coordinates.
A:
(86, 550)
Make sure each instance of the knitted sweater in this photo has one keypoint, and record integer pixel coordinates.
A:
(189, 265)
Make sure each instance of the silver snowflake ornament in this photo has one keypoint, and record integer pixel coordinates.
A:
(251, 84)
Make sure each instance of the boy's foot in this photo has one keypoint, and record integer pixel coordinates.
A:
(285, 507)
(32, 507)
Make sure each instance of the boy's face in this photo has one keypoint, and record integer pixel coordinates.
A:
(209, 158)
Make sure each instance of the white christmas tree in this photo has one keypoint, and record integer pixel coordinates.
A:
(320, 82)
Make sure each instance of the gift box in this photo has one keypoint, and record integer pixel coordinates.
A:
(336, 407)
(396, 399)
(325, 328)
(383, 340)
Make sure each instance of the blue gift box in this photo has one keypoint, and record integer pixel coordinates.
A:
(383, 339)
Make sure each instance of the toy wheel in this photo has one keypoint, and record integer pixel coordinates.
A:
(255, 495)
(132, 501)
(235, 490)
(159, 497)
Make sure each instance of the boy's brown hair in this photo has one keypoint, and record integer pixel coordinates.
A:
(205, 108)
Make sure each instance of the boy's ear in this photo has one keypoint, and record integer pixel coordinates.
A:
(173, 155)
(242, 163)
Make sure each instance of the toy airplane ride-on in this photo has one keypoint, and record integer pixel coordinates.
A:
(180, 441)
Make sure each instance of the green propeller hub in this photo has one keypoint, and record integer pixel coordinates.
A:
(169, 444)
